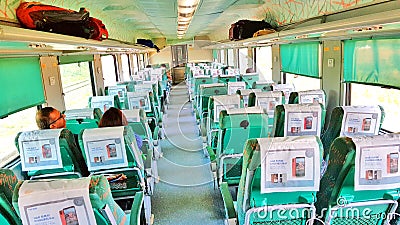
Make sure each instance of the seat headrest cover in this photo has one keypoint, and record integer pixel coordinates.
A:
(265, 82)
(290, 164)
(247, 110)
(102, 102)
(143, 87)
(224, 102)
(246, 92)
(132, 115)
(139, 100)
(119, 90)
(202, 86)
(360, 120)
(269, 100)
(105, 148)
(40, 149)
(86, 113)
(302, 119)
(234, 86)
(48, 201)
(377, 162)
(312, 96)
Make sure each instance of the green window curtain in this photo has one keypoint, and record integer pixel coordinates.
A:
(66, 59)
(21, 84)
(215, 55)
(372, 62)
(300, 58)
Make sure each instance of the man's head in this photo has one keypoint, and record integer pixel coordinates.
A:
(50, 118)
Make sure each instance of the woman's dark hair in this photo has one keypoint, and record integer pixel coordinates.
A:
(111, 118)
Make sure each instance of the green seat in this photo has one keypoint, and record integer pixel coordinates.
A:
(280, 177)
(311, 96)
(206, 91)
(361, 183)
(103, 209)
(8, 214)
(285, 88)
(215, 105)
(233, 87)
(113, 151)
(249, 79)
(340, 121)
(142, 100)
(79, 119)
(236, 126)
(50, 153)
(104, 102)
(227, 78)
(298, 119)
(151, 87)
(244, 94)
(138, 122)
(263, 85)
(119, 90)
(267, 100)
(197, 81)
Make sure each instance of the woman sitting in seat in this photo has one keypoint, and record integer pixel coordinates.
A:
(114, 117)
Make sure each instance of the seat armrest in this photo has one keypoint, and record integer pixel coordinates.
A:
(230, 211)
(137, 209)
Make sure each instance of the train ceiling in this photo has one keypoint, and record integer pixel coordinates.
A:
(127, 20)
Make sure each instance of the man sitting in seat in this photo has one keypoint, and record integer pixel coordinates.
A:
(51, 118)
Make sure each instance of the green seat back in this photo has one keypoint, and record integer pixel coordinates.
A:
(249, 79)
(235, 130)
(104, 102)
(124, 188)
(119, 90)
(334, 127)
(8, 214)
(226, 78)
(250, 195)
(245, 95)
(311, 96)
(99, 195)
(263, 85)
(72, 159)
(280, 117)
(337, 189)
(77, 125)
(206, 91)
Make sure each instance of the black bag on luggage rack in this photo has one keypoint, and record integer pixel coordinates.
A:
(243, 29)
(35, 15)
(147, 43)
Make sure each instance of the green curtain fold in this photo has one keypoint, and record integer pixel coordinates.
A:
(374, 62)
(300, 58)
(22, 85)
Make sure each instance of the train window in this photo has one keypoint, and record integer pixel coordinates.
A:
(125, 67)
(9, 128)
(387, 98)
(231, 58)
(141, 61)
(264, 62)
(135, 64)
(303, 83)
(108, 65)
(243, 60)
(75, 78)
(222, 56)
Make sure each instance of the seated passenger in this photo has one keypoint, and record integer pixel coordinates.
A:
(51, 118)
(250, 70)
(114, 117)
